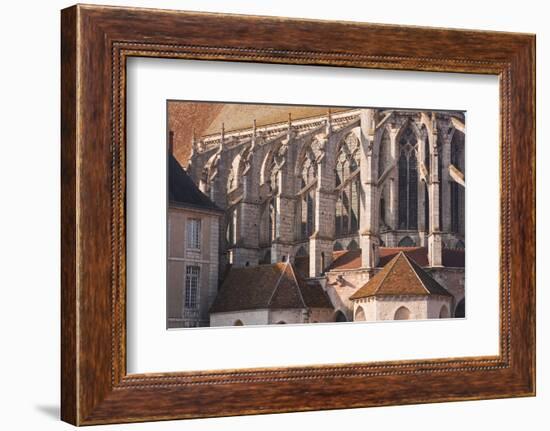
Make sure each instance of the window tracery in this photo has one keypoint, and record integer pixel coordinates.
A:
(408, 180)
(457, 192)
(347, 180)
(308, 178)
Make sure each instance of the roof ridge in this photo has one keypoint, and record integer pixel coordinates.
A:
(389, 267)
(276, 265)
(416, 273)
(392, 262)
(297, 285)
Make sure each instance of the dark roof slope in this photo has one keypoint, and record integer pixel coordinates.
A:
(182, 191)
(274, 286)
(401, 276)
(301, 265)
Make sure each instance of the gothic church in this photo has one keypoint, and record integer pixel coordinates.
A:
(347, 216)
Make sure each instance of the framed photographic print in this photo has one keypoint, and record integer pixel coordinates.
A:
(280, 207)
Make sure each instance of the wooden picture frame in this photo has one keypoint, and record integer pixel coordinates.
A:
(96, 41)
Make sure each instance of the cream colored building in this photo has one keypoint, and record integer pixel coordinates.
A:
(402, 290)
(193, 251)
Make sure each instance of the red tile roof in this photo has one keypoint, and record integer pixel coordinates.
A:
(351, 259)
(274, 286)
(418, 254)
(346, 259)
(401, 276)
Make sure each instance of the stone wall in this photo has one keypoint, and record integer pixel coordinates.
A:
(269, 317)
(453, 280)
(385, 308)
(439, 307)
(291, 316)
(247, 318)
(248, 168)
(341, 285)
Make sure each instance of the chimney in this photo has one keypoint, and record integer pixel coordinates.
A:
(170, 143)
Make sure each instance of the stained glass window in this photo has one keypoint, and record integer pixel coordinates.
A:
(408, 181)
(348, 186)
(457, 192)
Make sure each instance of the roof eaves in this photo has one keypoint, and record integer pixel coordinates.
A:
(185, 205)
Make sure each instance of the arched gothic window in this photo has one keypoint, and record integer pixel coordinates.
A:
(408, 180)
(402, 313)
(235, 173)
(384, 159)
(382, 210)
(353, 245)
(426, 149)
(268, 222)
(348, 186)
(308, 213)
(309, 169)
(274, 176)
(406, 242)
(308, 178)
(425, 184)
(457, 192)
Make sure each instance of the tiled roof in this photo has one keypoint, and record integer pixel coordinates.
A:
(182, 191)
(401, 276)
(351, 259)
(346, 259)
(274, 286)
(418, 254)
(301, 264)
